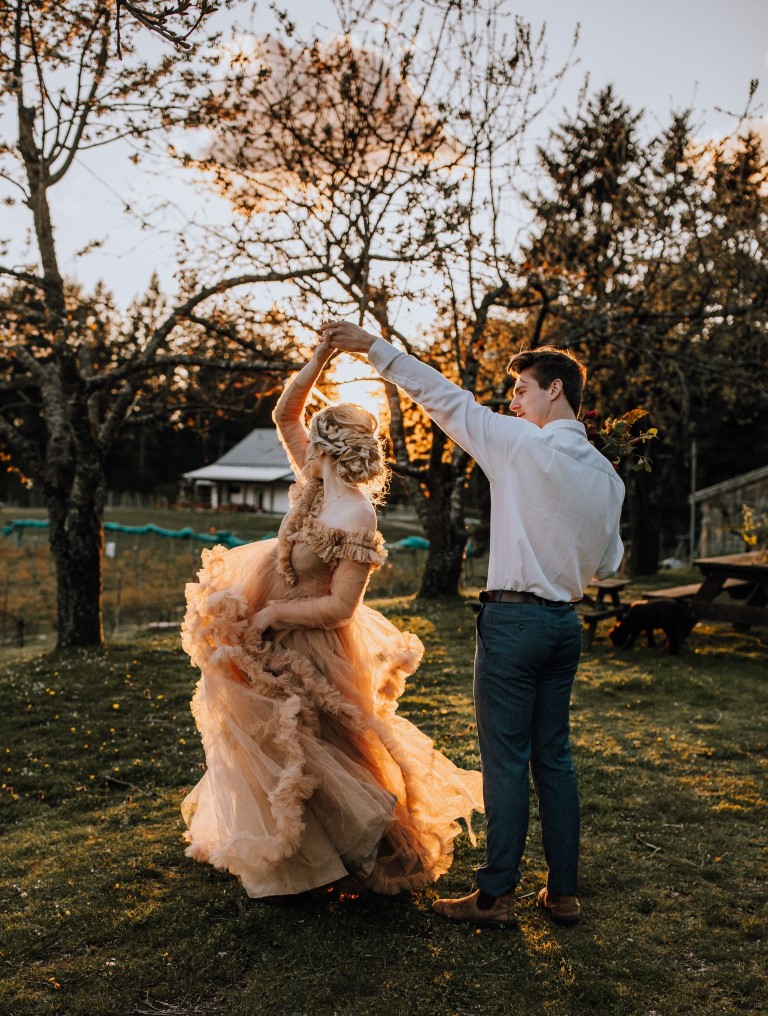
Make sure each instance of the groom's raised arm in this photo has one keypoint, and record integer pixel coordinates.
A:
(486, 436)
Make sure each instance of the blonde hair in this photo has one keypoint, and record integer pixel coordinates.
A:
(349, 435)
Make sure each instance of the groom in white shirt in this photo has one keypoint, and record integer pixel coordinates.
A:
(555, 510)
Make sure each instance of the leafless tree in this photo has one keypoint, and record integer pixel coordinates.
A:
(69, 377)
(389, 152)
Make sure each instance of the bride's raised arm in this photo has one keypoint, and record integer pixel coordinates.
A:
(289, 411)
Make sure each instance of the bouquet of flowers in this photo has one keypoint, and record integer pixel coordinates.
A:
(617, 438)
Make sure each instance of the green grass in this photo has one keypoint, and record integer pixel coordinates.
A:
(103, 914)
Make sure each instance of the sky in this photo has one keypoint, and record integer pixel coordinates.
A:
(658, 54)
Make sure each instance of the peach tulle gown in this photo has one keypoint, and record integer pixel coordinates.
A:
(311, 775)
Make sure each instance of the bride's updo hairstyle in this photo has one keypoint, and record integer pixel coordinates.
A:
(349, 434)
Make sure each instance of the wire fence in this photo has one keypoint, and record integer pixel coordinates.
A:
(143, 580)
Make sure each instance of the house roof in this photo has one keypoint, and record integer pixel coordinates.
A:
(260, 448)
(253, 474)
(258, 458)
(733, 484)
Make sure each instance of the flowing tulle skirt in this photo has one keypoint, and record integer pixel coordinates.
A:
(311, 775)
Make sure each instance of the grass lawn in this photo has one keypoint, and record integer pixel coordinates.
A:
(103, 914)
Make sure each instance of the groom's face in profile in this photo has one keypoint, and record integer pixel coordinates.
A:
(530, 401)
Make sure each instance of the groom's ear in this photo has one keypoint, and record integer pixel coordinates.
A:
(556, 388)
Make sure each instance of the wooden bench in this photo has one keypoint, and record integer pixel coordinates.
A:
(593, 609)
(684, 592)
(592, 617)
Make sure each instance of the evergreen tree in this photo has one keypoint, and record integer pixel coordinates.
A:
(647, 254)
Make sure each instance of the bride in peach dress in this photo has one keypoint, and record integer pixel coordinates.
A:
(312, 778)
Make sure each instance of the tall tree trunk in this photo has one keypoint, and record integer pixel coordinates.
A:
(71, 475)
(439, 496)
(445, 560)
(76, 544)
(644, 525)
(442, 516)
(75, 493)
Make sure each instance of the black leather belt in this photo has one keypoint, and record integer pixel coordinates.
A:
(512, 596)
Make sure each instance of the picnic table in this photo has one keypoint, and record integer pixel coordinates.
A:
(594, 608)
(743, 576)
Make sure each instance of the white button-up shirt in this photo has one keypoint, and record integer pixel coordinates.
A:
(555, 500)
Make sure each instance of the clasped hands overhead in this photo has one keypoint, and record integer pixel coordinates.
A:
(345, 336)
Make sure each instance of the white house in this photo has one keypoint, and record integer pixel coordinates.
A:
(253, 476)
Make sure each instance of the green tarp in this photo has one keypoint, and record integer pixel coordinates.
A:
(222, 536)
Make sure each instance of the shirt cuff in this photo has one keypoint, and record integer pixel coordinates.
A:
(381, 354)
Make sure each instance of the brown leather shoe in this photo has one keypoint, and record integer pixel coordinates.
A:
(500, 915)
(562, 909)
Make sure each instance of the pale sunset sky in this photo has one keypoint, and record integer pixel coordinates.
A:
(659, 55)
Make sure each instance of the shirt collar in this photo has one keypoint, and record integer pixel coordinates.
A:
(565, 425)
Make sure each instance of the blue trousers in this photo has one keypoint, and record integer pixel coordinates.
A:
(525, 663)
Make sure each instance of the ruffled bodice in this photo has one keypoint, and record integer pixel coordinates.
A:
(327, 545)
(311, 774)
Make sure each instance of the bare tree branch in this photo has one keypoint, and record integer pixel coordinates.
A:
(157, 21)
(98, 74)
(34, 280)
(21, 447)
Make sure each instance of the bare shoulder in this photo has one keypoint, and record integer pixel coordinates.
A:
(356, 514)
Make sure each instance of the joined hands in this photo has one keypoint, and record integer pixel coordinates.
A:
(343, 335)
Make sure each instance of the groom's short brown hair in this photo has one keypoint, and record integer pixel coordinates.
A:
(548, 364)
